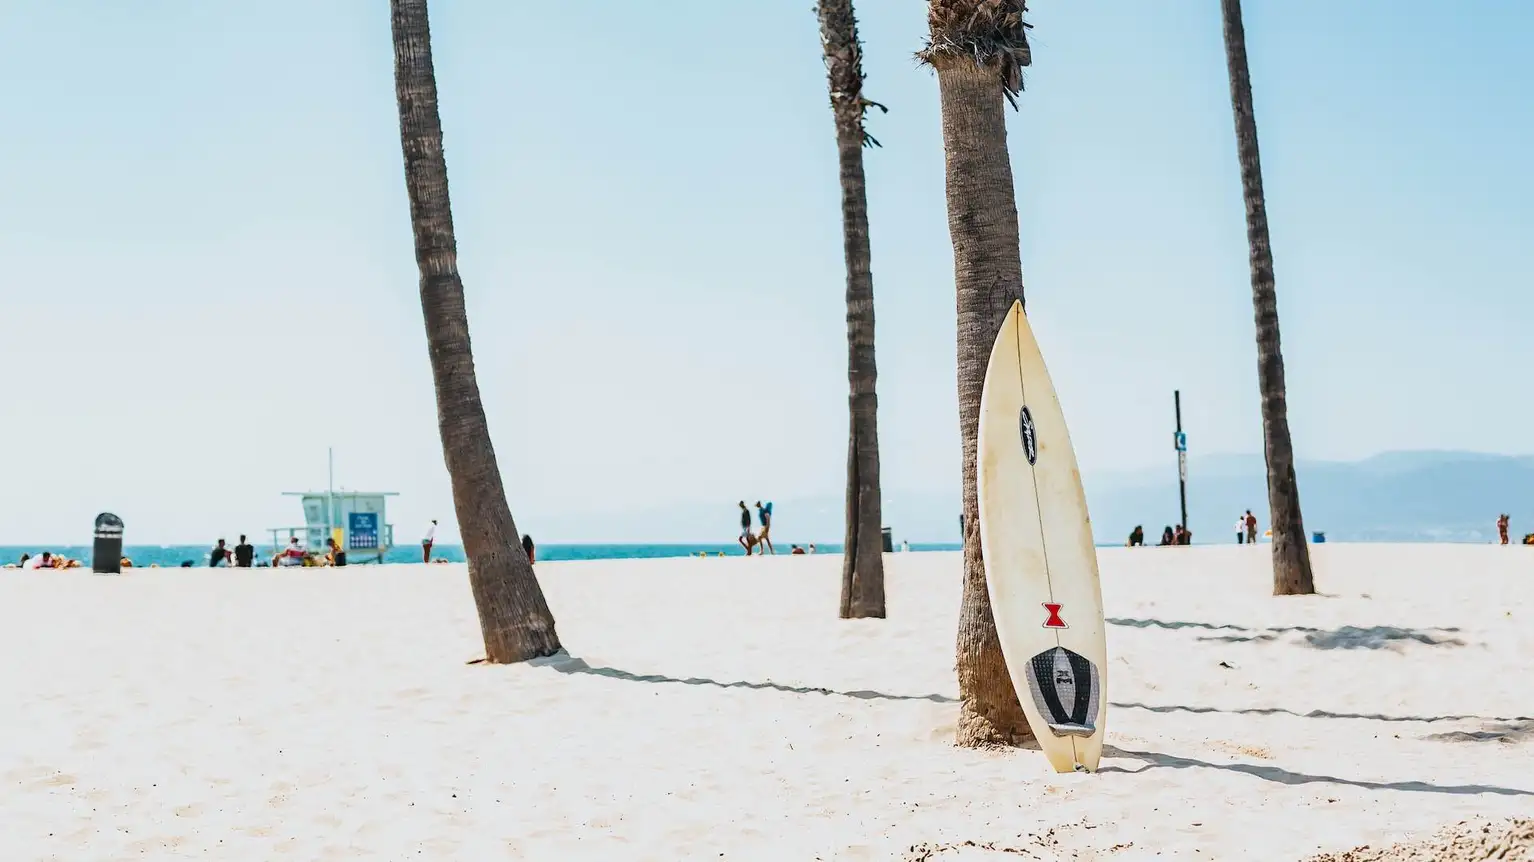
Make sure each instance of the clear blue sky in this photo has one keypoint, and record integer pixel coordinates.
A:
(206, 271)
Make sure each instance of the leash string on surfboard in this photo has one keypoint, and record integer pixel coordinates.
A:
(1049, 581)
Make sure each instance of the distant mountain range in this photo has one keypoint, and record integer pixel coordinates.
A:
(1394, 496)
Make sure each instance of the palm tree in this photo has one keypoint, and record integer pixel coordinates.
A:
(979, 49)
(863, 559)
(1291, 556)
(513, 615)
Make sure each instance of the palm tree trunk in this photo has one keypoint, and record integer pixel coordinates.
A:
(513, 615)
(863, 555)
(978, 48)
(1291, 555)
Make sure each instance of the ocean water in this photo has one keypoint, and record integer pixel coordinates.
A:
(197, 555)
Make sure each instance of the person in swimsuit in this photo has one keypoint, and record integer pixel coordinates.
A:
(764, 514)
(334, 556)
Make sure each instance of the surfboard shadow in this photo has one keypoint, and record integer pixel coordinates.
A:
(1317, 713)
(1156, 760)
(568, 664)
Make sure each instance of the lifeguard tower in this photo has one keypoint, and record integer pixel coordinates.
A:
(355, 519)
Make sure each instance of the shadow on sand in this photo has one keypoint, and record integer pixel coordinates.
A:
(1155, 760)
(1347, 637)
(1317, 713)
(564, 663)
(569, 664)
(1496, 730)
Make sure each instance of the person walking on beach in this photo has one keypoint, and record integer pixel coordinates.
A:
(747, 540)
(244, 553)
(1240, 529)
(427, 540)
(1251, 528)
(219, 555)
(764, 514)
(1502, 524)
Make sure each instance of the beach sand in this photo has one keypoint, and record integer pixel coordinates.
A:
(718, 709)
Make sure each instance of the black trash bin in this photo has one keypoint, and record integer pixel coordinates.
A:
(107, 551)
(889, 540)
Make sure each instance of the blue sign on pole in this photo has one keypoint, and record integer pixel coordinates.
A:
(1180, 440)
(363, 527)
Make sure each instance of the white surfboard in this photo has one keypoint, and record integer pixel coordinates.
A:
(1040, 564)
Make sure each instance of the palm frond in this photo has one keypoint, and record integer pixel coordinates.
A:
(844, 65)
(992, 33)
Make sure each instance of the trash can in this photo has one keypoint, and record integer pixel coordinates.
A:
(889, 540)
(107, 551)
(1318, 537)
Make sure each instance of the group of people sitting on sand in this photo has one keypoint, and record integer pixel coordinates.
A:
(44, 560)
(243, 555)
(1169, 536)
(295, 554)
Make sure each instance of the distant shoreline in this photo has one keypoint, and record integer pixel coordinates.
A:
(176, 555)
(170, 556)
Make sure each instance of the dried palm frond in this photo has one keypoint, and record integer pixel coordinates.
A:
(844, 66)
(990, 32)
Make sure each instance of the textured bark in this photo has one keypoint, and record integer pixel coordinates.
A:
(1291, 554)
(863, 559)
(513, 615)
(988, 277)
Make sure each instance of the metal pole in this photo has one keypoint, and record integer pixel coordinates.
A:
(330, 493)
(1182, 458)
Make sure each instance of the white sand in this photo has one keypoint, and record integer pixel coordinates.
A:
(1467, 841)
(262, 715)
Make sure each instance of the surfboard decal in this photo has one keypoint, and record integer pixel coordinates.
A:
(1065, 688)
(1054, 621)
(1030, 437)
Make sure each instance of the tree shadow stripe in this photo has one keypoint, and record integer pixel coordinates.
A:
(1156, 760)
